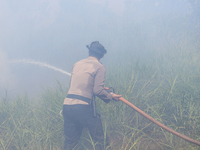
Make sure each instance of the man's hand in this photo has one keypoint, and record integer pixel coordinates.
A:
(116, 97)
(106, 88)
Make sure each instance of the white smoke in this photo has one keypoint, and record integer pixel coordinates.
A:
(116, 6)
(7, 79)
(33, 81)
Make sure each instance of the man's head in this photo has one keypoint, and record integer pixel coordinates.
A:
(96, 49)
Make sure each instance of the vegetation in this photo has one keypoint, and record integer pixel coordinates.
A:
(166, 88)
(33, 125)
(170, 94)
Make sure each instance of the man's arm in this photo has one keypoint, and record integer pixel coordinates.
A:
(100, 90)
(99, 86)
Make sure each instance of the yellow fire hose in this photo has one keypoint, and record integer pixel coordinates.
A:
(158, 123)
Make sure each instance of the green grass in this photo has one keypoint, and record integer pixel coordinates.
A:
(32, 125)
(166, 88)
(171, 96)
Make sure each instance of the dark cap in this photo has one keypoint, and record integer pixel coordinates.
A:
(97, 47)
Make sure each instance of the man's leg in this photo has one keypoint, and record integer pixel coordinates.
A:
(96, 131)
(72, 129)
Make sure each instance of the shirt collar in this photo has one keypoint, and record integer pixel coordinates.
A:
(93, 58)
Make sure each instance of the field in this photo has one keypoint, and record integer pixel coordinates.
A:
(167, 87)
(170, 94)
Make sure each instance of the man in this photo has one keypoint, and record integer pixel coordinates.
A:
(87, 81)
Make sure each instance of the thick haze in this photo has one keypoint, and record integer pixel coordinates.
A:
(57, 32)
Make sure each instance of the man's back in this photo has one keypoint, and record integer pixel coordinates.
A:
(83, 76)
(87, 78)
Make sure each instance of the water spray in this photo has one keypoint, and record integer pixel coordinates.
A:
(41, 64)
(111, 89)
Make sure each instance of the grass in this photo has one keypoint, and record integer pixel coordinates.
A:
(169, 96)
(167, 89)
(32, 125)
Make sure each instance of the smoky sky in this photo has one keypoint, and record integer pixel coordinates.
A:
(57, 32)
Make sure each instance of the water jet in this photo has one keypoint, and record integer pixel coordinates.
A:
(41, 64)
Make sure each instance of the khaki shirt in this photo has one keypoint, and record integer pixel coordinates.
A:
(87, 77)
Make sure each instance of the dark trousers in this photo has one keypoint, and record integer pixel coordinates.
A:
(77, 117)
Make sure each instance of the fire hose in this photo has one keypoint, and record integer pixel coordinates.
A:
(155, 121)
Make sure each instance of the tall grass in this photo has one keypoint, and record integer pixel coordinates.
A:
(167, 89)
(32, 125)
(169, 92)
